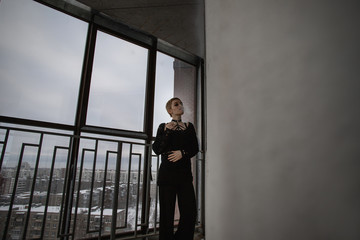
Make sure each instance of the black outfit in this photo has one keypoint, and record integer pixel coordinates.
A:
(175, 179)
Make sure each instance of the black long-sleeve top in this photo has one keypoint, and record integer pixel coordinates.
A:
(172, 140)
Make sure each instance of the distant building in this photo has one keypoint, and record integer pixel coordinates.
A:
(52, 221)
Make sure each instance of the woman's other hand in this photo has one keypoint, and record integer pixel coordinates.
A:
(175, 156)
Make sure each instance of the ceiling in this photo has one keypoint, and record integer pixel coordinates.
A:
(180, 23)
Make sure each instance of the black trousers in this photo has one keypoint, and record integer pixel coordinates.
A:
(187, 208)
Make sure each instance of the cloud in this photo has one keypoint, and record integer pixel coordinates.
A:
(41, 56)
(40, 61)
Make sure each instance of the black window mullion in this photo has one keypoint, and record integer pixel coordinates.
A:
(148, 129)
(84, 91)
(80, 121)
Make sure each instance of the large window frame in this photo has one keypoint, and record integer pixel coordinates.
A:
(99, 22)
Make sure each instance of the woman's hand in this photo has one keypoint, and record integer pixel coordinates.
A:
(175, 156)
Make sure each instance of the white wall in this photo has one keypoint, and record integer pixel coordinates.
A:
(283, 120)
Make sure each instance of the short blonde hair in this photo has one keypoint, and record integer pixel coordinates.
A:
(168, 104)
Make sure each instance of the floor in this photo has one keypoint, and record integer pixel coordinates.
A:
(198, 236)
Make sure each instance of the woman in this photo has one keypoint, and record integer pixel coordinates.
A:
(176, 141)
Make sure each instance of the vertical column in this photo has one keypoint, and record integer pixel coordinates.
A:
(148, 129)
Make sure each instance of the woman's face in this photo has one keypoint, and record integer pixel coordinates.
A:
(177, 108)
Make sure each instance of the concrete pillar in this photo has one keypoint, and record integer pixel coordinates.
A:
(283, 120)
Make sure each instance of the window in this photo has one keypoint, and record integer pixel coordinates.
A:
(41, 63)
(117, 92)
(164, 88)
(41, 55)
(174, 78)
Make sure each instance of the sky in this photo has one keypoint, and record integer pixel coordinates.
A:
(40, 61)
(41, 55)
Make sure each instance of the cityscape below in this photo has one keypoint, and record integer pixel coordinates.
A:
(92, 208)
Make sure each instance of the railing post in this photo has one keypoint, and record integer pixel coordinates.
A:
(116, 192)
(69, 188)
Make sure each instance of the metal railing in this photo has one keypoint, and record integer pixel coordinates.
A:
(105, 182)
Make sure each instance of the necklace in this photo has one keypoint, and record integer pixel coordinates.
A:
(178, 126)
(177, 121)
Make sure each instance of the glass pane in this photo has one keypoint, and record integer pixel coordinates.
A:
(22, 160)
(174, 78)
(164, 88)
(41, 55)
(96, 176)
(117, 93)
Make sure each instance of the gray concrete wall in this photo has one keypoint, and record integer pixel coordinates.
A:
(283, 120)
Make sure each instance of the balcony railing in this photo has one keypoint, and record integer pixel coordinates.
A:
(46, 194)
(105, 191)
